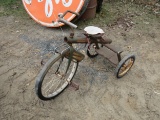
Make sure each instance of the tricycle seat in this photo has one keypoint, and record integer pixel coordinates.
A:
(94, 31)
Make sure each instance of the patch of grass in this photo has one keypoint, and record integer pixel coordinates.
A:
(112, 11)
(106, 16)
(14, 7)
(7, 2)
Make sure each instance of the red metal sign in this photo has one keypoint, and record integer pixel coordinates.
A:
(46, 11)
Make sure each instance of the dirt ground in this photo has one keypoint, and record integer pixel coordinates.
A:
(136, 96)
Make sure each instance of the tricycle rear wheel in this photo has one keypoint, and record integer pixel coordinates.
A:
(124, 65)
(91, 51)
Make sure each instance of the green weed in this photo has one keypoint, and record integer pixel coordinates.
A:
(12, 7)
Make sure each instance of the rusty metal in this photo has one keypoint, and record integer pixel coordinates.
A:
(119, 55)
(89, 38)
(71, 40)
(76, 56)
(115, 54)
(74, 85)
(71, 35)
(90, 11)
(84, 39)
(108, 54)
(113, 48)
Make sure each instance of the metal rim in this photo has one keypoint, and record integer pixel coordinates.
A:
(126, 67)
(59, 81)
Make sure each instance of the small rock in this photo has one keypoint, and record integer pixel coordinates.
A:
(147, 23)
(157, 4)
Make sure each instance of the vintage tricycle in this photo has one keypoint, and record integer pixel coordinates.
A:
(60, 69)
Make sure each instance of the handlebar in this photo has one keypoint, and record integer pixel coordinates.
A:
(61, 19)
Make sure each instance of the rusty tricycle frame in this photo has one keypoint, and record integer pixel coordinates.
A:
(66, 58)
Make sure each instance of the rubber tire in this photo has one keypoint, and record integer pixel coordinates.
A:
(91, 56)
(42, 74)
(117, 70)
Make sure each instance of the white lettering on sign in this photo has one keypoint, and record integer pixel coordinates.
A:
(40, 0)
(57, 1)
(48, 8)
(28, 1)
(67, 4)
(49, 5)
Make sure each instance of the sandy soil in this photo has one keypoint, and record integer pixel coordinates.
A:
(136, 96)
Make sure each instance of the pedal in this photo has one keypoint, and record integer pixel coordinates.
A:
(74, 85)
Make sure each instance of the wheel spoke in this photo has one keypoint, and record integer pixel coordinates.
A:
(49, 87)
(54, 82)
(57, 85)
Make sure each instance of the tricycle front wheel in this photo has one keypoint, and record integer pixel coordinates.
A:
(53, 78)
(124, 65)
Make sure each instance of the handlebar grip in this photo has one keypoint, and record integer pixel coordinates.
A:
(67, 22)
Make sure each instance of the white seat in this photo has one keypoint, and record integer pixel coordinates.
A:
(92, 30)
